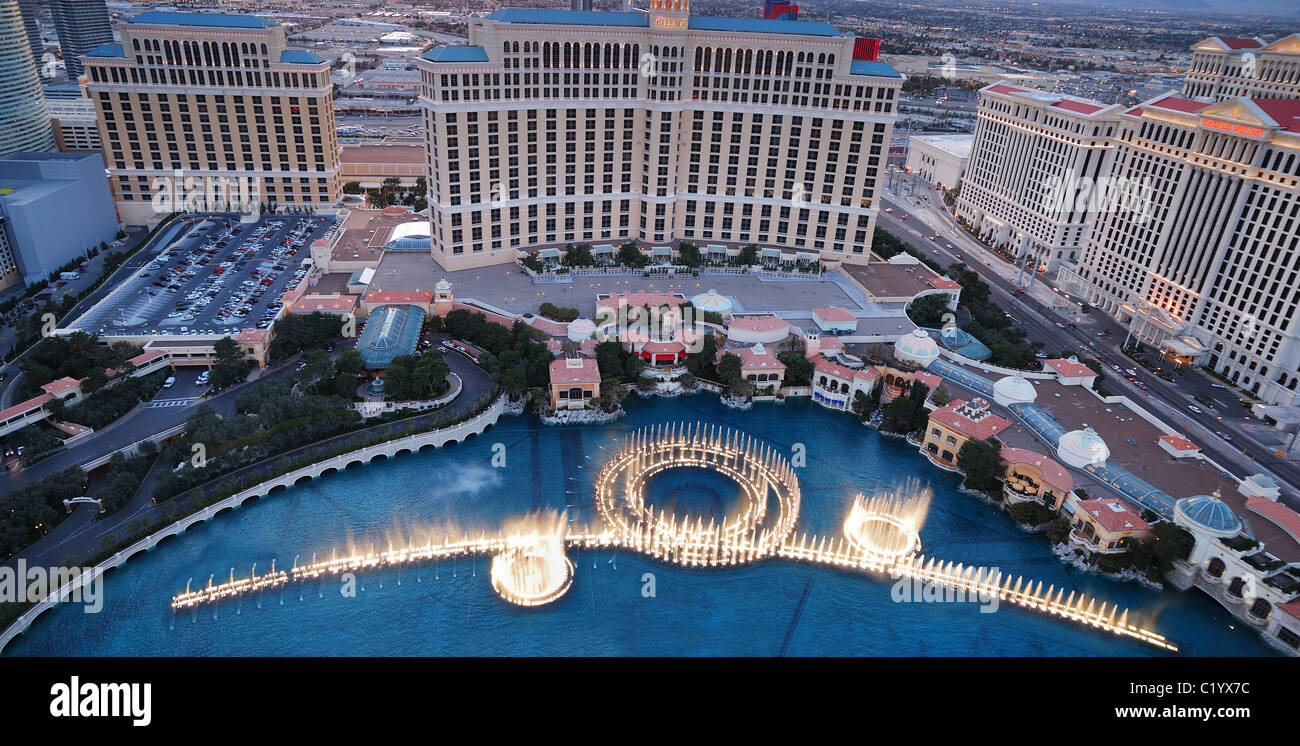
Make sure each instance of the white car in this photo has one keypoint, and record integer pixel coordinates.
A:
(171, 381)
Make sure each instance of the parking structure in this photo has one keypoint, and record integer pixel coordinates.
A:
(223, 276)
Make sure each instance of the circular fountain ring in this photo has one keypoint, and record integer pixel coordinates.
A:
(885, 537)
(886, 527)
(533, 572)
(747, 535)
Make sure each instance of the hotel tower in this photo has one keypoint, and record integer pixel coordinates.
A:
(1032, 155)
(210, 97)
(1208, 270)
(560, 126)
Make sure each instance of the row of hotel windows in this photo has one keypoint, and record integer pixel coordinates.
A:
(534, 239)
(613, 55)
(172, 76)
(143, 190)
(203, 53)
(1032, 115)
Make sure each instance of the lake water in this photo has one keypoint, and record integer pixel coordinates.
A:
(769, 608)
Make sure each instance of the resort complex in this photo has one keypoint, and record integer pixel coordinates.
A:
(698, 335)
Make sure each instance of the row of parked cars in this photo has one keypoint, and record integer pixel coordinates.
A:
(242, 300)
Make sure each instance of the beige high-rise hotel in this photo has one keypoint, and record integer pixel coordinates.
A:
(557, 126)
(213, 96)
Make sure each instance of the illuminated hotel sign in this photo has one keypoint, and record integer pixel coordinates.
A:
(1236, 129)
(669, 22)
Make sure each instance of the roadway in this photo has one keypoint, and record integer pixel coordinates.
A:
(1238, 451)
(79, 534)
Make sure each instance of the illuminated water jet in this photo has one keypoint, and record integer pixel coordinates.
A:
(530, 567)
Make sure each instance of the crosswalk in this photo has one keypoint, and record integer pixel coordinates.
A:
(164, 403)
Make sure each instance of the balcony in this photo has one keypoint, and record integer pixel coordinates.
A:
(1017, 493)
(1082, 542)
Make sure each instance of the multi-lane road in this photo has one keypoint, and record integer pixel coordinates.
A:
(1215, 428)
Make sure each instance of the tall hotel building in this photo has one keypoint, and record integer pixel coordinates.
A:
(24, 117)
(82, 25)
(560, 126)
(1209, 269)
(213, 96)
(1031, 151)
(1227, 68)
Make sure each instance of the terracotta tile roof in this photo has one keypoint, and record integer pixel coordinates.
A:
(1174, 103)
(1078, 107)
(822, 365)
(1178, 442)
(1069, 368)
(331, 303)
(750, 359)
(20, 407)
(61, 385)
(1278, 513)
(252, 335)
(1053, 473)
(831, 344)
(953, 417)
(1005, 89)
(554, 328)
(564, 373)
(1284, 111)
(761, 323)
(663, 348)
(640, 299)
(831, 314)
(1291, 607)
(146, 357)
(401, 296)
(1240, 43)
(1113, 515)
(929, 379)
(943, 283)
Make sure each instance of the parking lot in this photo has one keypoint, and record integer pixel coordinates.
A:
(222, 277)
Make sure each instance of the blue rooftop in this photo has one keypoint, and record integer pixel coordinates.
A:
(456, 54)
(300, 57)
(1210, 512)
(391, 331)
(642, 20)
(570, 17)
(219, 20)
(761, 26)
(879, 69)
(106, 50)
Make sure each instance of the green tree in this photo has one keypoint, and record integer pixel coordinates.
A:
(981, 462)
(229, 367)
(748, 255)
(630, 256)
(514, 381)
(318, 367)
(929, 310)
(701, 363)
(348, 370)
(609, 357)
(578, 255)
(688, 254)
(1059, 531)
(798, 368)
(729, 369)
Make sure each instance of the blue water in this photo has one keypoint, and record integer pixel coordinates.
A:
(450, 609)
